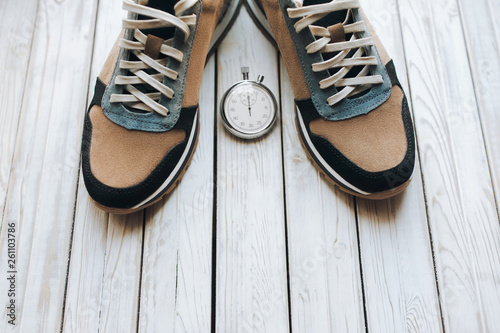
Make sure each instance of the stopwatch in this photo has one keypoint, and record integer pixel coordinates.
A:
(248, 109)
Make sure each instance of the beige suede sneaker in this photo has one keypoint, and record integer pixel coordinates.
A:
(142, 125)
(352, 114)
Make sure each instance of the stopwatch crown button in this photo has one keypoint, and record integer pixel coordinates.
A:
(245, 71)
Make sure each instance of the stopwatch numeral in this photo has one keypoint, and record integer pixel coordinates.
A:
(251, 125)
(259, 123)
(235, 117)
(233, 109)
(265, 116)
(242, 124)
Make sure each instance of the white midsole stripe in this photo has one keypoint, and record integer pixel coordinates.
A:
(177, 167)
(320, 159)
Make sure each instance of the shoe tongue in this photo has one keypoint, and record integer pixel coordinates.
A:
(313, 2)
(155, 39)
(165, 6)
(330, 19)
(333, 22)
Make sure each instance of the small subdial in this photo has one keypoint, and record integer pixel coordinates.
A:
(248, 96)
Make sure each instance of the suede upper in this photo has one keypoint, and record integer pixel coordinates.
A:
(122, 158)
(152, 121)
(210, 12)
(375, 141)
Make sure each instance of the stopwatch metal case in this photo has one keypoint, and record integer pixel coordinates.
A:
(258, 83)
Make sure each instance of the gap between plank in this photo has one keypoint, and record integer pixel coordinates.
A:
(140, 273)
(214, 204)
(365, 314)
(287, 261)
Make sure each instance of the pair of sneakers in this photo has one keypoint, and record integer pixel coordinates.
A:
(142, 126)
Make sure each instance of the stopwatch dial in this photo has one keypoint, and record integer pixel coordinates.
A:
(249, 108)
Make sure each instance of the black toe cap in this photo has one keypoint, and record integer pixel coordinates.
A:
(370, 182)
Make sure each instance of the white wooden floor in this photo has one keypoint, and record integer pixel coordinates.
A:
(253, 239)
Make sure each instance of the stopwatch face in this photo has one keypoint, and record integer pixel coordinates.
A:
(249, 109)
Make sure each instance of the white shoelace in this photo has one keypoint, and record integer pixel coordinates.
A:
(159, 19)
(352, 86)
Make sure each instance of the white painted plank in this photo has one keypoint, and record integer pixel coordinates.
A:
(120, 292)
(482, 32)
(86, 268)
(42, 188)
(458, 187)
(251, 279)
(398, 269)
(17, 22)
(325, 280)
(177, 270)
(88, 251)
(104, 279)
(398, 273)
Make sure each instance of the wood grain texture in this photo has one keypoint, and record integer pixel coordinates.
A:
(17, 23)
(482, 34)
(85, 276)
(42, 188)
(398, 269)
(461, 208)
(325, 281)
(122, 272)
(251, 279)
(398, 274)
(177, 271)
(88, 251)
